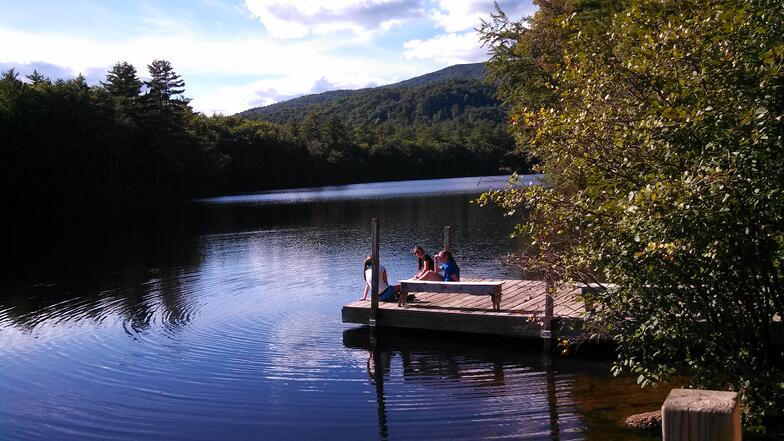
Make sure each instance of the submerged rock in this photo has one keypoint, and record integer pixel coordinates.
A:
(649, 421)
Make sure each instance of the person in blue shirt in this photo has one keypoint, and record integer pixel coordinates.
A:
(445, 263)
(449, 267)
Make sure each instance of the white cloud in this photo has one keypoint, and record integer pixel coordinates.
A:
(186, 50)
(286, 19)
(459, 15)
(454, 48)
(462, 15)
(459, 18)
(233, 99)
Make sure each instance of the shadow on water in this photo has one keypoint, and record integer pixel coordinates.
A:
(580, 399)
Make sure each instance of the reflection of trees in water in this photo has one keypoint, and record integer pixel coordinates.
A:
(161, 298)
(137, 301)
(72, 265)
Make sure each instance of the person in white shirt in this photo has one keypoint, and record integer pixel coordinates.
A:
(386, 292)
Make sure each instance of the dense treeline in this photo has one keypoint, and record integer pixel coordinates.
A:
(128, 138)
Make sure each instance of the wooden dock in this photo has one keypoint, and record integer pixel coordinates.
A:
(521, 314)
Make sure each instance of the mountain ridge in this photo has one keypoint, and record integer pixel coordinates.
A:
(468, 71)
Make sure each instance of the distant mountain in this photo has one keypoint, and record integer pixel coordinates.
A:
(445, 123)
(294, 104)
(375, 104)
(457, 72)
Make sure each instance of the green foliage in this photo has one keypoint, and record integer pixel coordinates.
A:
(296, 108)
(662, 148)
(122, 81)
(445, 121)
(64, 140)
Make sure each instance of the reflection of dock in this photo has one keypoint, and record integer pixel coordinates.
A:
(522, 312)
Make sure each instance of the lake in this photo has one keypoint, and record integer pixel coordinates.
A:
(220, 319)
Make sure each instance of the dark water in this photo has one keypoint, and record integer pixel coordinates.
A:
(220, 319)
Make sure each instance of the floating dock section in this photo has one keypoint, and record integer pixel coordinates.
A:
(522, 311)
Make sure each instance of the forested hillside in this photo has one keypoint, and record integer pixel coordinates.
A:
(298, 107)
(444, 123)
(67, 140)
(466, 101)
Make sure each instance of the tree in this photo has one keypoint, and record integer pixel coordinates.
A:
(662, 152)
(37, 79)
(123, 81)
(164, 99)
(123, 102)
(10, 90)
(164, 110)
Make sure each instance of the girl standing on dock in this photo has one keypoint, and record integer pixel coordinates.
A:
(386, 292)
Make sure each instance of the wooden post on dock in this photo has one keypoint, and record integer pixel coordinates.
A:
(374, 279)
(448, 238)
(549, 292)
(701, 415)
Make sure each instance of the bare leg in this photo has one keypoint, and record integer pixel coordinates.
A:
(432, 276)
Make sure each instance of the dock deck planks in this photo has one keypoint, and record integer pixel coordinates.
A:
(521, 313)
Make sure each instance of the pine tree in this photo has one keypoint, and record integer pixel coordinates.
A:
(165, 103)
(36, 78)
(121, 97)
(122, 81)
(164, 111)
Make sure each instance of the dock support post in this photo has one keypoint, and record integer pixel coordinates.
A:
(549, 292)
(701, 415)
(375, 275)
(448, 238)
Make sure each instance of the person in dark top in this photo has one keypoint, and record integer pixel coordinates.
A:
(451, 272)
(424, 261)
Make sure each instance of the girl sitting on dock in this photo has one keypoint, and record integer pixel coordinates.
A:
(424, 261)
(386, 292)
(449, 267)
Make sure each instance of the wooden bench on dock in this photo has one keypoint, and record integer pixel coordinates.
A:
(492, 289)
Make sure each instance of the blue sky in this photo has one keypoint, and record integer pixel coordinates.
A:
(237, 54)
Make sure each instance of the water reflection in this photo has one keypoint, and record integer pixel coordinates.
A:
(221, 320)
(523, 393)
(379, 363)
(143, 261)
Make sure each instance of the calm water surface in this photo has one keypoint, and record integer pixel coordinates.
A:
(220, 319)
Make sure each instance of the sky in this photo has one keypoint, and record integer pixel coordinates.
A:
(239, 54)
